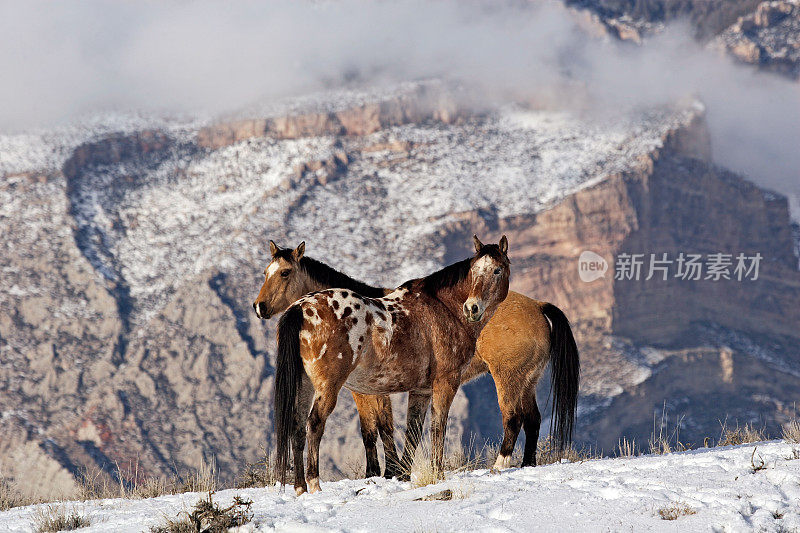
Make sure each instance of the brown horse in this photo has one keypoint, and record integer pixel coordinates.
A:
(515, 346)
(417, 339)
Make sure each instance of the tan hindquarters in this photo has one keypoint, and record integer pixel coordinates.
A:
(514, 346)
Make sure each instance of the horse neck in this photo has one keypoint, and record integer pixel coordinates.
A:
(453, 298)
(312, 285)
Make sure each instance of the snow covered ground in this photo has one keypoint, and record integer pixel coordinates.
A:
(719, 485)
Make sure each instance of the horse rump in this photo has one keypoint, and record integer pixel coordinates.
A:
(288, 375)
(564, 375)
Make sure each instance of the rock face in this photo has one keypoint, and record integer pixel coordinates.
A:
(768, 37)
(420, 105)
(126, 331)
(627, 19)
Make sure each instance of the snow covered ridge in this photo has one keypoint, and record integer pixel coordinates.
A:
(752, 487)
(150, 221)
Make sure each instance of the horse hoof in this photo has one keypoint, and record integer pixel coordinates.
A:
(299, 490)
(502, 462)
(313, 485)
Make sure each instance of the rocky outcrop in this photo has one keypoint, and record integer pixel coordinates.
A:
(769, 37)
(419, 106)
(629, 19)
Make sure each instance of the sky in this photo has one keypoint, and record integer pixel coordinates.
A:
(62, 60)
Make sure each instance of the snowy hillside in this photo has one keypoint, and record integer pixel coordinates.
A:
(722, 489)
(149, 221)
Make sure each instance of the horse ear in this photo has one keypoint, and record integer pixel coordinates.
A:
(299, 251)
(504, 244)
(478, 243)
(273, 248)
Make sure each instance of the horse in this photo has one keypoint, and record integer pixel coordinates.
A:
(514, 347)
(417, 339)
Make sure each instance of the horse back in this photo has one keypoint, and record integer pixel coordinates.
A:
(517, 336)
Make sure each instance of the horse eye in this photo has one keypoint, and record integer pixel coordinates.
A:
(497, 271)
(285, 273)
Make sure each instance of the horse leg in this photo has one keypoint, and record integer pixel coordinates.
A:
(304, 396)
(512, 423)
(386, 430)
(368, 415)
(443, 394)
(417, 409)
(531, 423)
(324, 402)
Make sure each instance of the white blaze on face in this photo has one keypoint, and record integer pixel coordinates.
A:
(273, 268)
(482, 269)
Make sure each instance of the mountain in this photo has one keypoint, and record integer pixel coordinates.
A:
(134, 246)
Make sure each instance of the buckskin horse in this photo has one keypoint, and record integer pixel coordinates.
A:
(417, 339)
(515, 346)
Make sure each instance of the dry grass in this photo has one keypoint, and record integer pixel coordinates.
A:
(204, 479)
(675, 510)
(11, 497)
(662, 440)
(423, 472)
(259, 474)
(52, 518)
(791, 431)
(548, 453)
(208, 517)
(627, 448)
(131, 483)
(740, 435)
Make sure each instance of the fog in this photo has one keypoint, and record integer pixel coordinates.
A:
(64, 60)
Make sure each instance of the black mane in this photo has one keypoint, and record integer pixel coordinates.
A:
(452, 274)
(330, 277)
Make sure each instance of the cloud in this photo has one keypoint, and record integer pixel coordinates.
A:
(61, 60)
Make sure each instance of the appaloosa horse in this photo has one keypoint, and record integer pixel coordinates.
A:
(515, 346)
(417, 339)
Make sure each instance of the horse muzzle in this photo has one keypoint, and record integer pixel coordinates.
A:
(262, 311)
(473, 310)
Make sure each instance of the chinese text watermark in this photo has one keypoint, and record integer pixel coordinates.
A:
(663, 266)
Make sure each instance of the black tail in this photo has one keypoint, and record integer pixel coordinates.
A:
(288, 374)
(564, 376)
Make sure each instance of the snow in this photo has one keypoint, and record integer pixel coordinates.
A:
(622, 494)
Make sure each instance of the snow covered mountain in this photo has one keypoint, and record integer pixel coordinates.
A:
(133, 246)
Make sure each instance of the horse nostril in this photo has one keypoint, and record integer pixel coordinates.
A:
(466, 309)
(474, 309)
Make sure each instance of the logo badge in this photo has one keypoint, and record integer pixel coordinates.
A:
(591, 266)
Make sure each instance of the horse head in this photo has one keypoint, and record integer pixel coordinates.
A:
(284, 282)
(487, 279)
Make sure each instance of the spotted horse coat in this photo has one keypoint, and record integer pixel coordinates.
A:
(418, 339)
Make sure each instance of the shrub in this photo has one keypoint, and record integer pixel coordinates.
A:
(208, 517)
